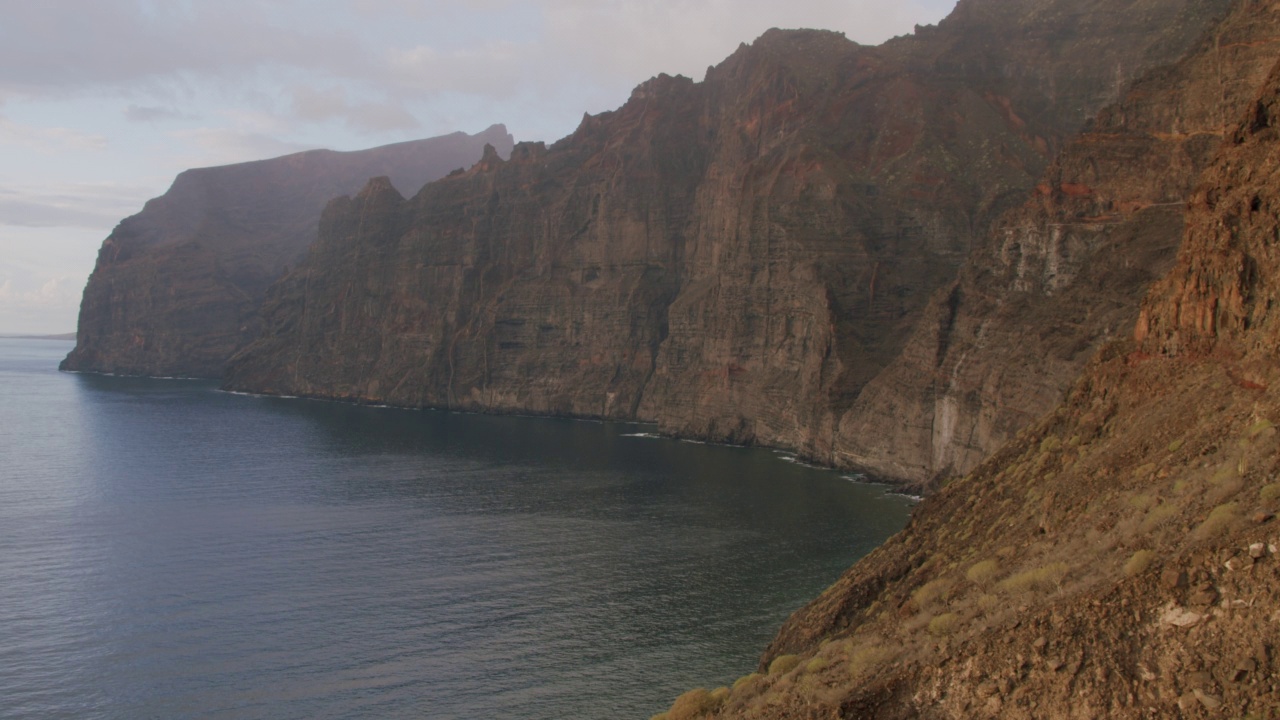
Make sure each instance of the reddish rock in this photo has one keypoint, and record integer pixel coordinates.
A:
(734, 259)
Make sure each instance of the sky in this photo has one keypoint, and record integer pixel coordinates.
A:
(103, 102)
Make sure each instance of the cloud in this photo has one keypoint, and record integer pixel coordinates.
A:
(49, 139)
(69, 205)
(140, 114)
(310, 104)
(59, 45)
(221, 146)
(382, 60)
(30, 303)
(43, 271)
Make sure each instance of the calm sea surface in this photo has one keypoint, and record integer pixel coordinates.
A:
(171, 551)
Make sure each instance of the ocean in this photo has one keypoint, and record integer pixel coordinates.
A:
(168, 550)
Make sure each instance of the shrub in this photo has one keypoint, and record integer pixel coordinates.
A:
(783, 664)
(720, 695)
(1220, 518)
(1270, 492)
(746, 680)
(1050, 444)
(1142, 501)
(1139, 562)
(981, 574)
(1175, 446)
(930, 592)
(817, 664)
(693, 704)
(1225, 473)
(944, 624)
(1158, 516)
(867, 658)
(1041, 578)
(1259, 427)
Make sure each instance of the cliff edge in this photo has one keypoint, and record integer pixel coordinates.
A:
(177, 287)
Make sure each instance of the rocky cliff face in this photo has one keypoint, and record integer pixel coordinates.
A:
(1065, 272)
(177, 287)
(734, 259)
(1116, 560)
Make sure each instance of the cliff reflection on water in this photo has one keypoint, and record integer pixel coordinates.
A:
(173, 551)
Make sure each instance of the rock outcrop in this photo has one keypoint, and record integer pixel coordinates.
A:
(734, 259)
(1118, 559)
(177, 287)
(1063, 274)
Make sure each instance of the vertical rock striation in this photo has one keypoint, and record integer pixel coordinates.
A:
(1064, 273)
(177, 287)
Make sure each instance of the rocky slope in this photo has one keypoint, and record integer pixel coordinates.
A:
(177, 287)
(1062, 274)
(1119, 559)
(734, 259)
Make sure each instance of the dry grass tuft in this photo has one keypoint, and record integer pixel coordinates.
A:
(783, 664)
(1220, 518)
(1158, 516)
(1258, 428)
(818, 664)
(867, 658)
(982, 573)
(694, 704)
(1139, 562)
(931, 592)
(944, 624)
(1047, 577)
(746, 681)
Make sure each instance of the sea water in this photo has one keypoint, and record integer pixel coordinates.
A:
(171, 551)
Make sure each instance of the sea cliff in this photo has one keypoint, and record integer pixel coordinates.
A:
(176, 288)
(734, 259)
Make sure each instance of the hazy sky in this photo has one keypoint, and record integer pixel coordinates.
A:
(102, 102)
